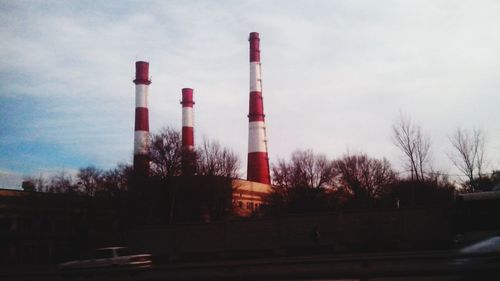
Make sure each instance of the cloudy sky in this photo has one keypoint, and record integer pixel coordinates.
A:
(336, 76)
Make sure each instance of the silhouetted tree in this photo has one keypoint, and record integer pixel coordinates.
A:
(90, 180)
(304, 169)
(215, 160)
(39, 183)
(61, 183)
(302, 184)
(116, 180)
(485, 182)
(166, 153)
(415, 146)
(169, 162)
(367, 179)
(469, 156)
(430, 192)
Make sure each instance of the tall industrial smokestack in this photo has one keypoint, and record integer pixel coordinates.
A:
(258, 160)
(141, 142)
(188, 154)
(187, 119)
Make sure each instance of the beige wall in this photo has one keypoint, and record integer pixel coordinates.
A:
(248, 196)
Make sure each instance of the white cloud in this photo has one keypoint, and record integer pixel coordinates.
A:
(335, 74)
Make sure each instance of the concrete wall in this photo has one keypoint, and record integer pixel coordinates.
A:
(339, 232)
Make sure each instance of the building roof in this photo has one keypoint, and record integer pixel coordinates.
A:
(481, 195)
(251, 186)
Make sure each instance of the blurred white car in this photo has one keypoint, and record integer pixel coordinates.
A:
(487, 250)
(110, 257)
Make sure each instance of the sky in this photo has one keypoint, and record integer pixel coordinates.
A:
(336, 76)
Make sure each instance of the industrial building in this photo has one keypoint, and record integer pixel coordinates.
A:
(37, 227)
(248, 194)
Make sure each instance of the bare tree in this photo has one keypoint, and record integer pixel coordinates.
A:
(215, 160)
(61, 183)
(114, 181)
(90, 180)
(40, 183)
(364, 177)
(305, 169)
(468, 154)
(117, 179)
(166, 153)
(167, 157)
(282, 174)
(415, 146)
(303, 183)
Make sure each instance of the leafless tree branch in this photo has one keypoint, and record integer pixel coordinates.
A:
(408, 137)
(468, 154)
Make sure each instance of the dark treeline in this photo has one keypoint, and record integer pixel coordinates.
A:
(96, 207)
(306, 182)
(166, 154)
(182, 185)
(467, 154)
(310, 182)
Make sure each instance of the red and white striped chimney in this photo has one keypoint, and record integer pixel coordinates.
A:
(187, 119)
(258, 160)
(188, 153)
(141, 136)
